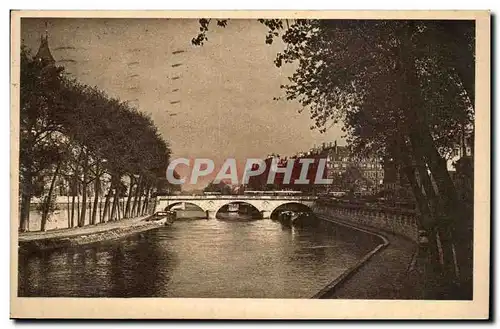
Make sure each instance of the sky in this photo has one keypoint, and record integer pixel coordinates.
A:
(223, 106)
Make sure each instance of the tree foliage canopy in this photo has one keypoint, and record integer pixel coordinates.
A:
(66, 124)
(403, 90)
(351, 71)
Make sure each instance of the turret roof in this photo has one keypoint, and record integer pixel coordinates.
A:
(44, 53)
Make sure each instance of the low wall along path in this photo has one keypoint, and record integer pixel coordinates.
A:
(398, 221)
(384, 272)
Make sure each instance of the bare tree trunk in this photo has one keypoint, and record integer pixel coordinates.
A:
(73, 197)
(81, 218)
(105, 213)
(78, 210)
(26, 202)
(154, 204)
(97, 187)
(129, 197)
(451, 216)
(68, 208)
(148, 207)
(136, 197)
(113, 209)
(442, 260)
(25, 212)
(45, 213)
(100, 210)
(85, 169)
(146, 202)
(444, 255)
(89, 219)
(122, 208)
(74, 191)
(119, 210)
(432, 271)
(115, 205)
(139, 202)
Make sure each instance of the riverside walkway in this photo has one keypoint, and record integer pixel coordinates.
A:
(386, 274)
(89, 229)
(70, 237)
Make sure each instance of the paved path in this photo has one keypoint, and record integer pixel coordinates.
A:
(385, 275)
(69, 232)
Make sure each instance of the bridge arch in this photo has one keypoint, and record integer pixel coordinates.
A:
(212, 204)
(291, 205)
(252, 210)
(187, 203)
(189, 209)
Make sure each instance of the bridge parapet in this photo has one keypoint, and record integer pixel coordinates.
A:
(211, 204)
(399, 221)
(235, 197)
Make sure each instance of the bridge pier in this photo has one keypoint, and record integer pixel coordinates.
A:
(211, 214)
(265, 214)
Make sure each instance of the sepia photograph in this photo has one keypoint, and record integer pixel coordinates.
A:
(183, 160)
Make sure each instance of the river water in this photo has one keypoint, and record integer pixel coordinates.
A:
(200, 258)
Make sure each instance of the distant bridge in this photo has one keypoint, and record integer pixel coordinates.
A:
(211, 204)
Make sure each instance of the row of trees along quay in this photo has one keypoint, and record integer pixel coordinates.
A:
(76, 134)
(404, 90)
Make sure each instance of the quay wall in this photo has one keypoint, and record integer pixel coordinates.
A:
(88, 235)
(403, 222)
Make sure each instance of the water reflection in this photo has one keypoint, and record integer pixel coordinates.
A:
(203, 258)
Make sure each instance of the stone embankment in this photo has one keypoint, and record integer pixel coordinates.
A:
(385, 272)
(393, 220)
(64, 238)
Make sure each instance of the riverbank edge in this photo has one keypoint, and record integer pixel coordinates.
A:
(346, 275)
(68, 238)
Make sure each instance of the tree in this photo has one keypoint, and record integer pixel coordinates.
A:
(77, 132)
(40, 104)
(353, 180)
(403, 89)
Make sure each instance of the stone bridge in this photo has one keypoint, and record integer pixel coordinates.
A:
(211, 204)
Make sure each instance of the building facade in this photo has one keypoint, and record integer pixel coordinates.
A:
(348, 173)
